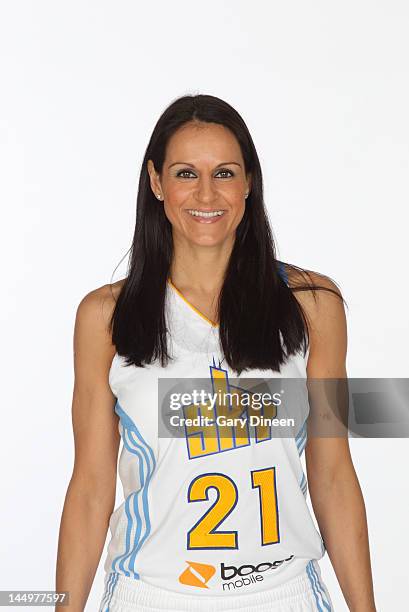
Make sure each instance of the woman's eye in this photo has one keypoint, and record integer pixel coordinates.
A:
(184, 172)
(224, 171)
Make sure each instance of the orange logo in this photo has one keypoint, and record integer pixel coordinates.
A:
(197, 574)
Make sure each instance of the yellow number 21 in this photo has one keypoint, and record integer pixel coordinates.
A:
(204, 535)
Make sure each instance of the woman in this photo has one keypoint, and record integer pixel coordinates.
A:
(215, 522)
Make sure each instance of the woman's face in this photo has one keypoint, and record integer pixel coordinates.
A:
(203, 172)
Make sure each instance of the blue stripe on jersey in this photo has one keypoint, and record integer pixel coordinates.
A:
(136, 504)
(105, 593)
(324, 595)
(321, 598)
(111, 581)
(301, 438)
(282, 273)
(303, 484)
(129, 506)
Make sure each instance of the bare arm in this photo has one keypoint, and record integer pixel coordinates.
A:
(335, 492)
(90, 496)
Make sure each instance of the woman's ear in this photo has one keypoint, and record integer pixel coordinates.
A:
(154, 180)
(249, 180)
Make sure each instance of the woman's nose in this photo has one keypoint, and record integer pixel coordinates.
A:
(205, 190)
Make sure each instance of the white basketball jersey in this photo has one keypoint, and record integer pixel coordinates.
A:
(207, 517)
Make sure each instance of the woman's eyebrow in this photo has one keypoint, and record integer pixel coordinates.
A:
(192, 165)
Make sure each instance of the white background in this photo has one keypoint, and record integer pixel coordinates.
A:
(323, 87)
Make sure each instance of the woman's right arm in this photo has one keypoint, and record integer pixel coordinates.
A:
(90, 496)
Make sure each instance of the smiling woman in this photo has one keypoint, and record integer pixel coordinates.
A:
(204, 191)
(208, 522)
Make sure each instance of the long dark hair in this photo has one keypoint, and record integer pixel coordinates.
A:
(255, 304)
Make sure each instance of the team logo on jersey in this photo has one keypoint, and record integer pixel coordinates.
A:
(233, 431)
(197, 574)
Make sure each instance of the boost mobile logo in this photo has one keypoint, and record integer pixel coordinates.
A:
(245, 573)
(197, 574)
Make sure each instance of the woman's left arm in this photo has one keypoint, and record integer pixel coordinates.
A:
(335, 492)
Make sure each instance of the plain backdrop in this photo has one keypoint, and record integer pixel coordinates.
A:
(323, 87)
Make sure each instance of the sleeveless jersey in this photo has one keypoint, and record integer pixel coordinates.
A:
(211, 517)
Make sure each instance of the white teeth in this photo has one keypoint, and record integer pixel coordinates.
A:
(198, 213)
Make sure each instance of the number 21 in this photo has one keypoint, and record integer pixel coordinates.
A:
(204, 535)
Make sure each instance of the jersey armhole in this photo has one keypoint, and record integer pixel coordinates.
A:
(111, 374)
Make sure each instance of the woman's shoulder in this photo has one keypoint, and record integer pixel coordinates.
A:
(324, 306)
(103, 297)
(298, 276)
(95, 310)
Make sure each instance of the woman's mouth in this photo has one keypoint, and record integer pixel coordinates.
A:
(206, 216)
